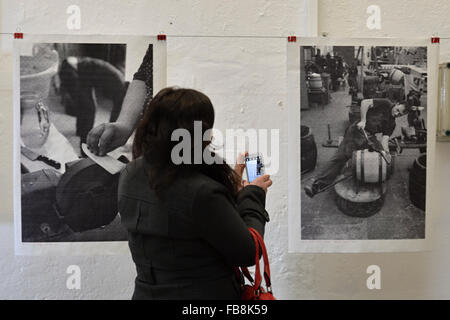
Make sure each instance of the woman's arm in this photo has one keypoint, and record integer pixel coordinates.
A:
(224, 225)
(133, 104)
(109, 136)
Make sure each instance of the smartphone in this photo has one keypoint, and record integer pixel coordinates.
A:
(254, 166)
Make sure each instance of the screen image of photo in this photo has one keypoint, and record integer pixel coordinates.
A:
(254, 168)
(363, 137)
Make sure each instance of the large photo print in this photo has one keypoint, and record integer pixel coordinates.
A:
(66, 92)
(363, 142)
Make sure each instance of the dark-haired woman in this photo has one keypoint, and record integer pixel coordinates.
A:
(187, 223)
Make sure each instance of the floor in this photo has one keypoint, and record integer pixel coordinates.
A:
(320, 217)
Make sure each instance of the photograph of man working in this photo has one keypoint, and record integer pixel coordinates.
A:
(377, 117)
(363, 142)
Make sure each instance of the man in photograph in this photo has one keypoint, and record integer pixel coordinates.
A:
(377, 116)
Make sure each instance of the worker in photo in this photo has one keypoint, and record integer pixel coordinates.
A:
(377, 116)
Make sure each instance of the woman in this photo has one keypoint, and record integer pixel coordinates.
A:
(187, 223)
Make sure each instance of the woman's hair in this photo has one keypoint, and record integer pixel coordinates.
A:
(177, 108)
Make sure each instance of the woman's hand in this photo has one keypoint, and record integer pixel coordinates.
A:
(239, 168)
(107, 137)
(264, 182)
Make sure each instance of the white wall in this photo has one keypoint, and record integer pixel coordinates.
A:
(242, 76)
(412, 275)
(245, 79)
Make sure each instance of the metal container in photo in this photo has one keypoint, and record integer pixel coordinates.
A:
(37, 71)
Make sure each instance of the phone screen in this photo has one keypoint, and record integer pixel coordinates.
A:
(254, 167)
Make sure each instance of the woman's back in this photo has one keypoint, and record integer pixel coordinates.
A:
(186, 241)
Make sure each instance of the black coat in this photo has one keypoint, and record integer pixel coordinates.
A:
(186, 242)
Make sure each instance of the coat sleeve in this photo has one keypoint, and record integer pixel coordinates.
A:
(224, 224)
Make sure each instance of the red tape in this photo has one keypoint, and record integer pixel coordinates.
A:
(435, 40)
(18, 35)
(292, 39)
(161, 37)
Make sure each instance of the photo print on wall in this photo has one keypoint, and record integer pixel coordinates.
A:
(65, 87)
(363, 136)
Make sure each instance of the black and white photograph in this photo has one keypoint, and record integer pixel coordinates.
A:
(363, 142)
(70, 92)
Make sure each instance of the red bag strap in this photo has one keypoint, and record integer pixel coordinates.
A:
(259, 243)
(257, 281)
(266, 260)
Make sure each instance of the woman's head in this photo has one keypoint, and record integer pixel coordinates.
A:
(171, 109)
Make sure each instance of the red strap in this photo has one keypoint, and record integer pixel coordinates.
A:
(257, 281)
(259, 242)
(265, 258)
(258, 278)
